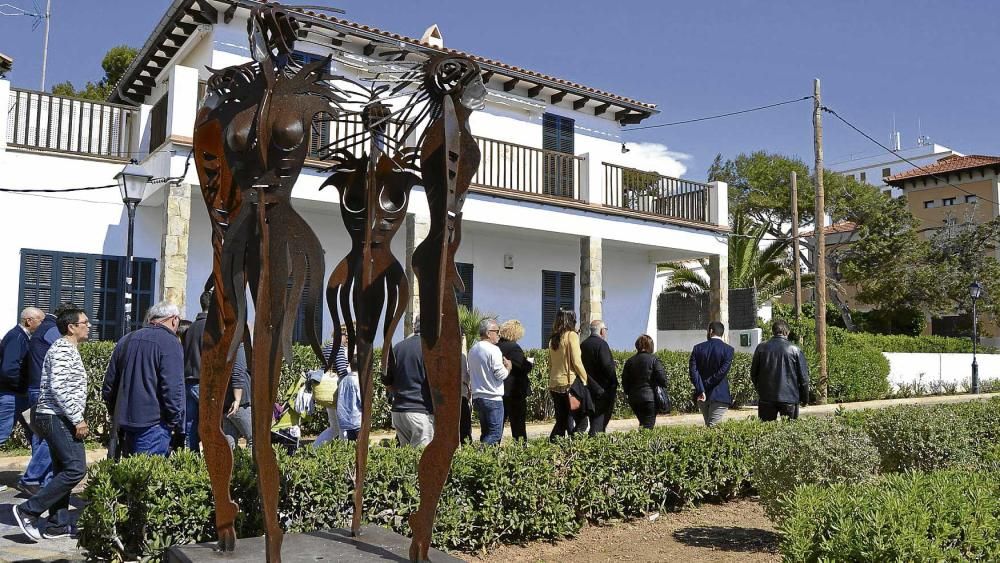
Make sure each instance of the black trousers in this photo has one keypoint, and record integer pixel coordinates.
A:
(770, 411)
(645, 411)
(604, 409)
(566, 420)
(515, 409)
(465, 426)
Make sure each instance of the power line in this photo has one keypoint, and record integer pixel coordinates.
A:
(729, 114)
(903, 158)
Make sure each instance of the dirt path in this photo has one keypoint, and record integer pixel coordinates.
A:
(734, 531)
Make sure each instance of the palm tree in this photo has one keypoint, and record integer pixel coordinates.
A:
(752, 263)
(469, 319)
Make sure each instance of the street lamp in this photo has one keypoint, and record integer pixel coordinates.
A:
(132, 182)
(975, 291)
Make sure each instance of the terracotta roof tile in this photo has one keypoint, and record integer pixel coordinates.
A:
(841, 227)
(477, 58)
(947, 164)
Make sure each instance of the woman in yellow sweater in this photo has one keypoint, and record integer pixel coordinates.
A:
(565, 366)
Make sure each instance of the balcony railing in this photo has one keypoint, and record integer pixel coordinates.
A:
(649, 192)
(523, 169)
(36, 120)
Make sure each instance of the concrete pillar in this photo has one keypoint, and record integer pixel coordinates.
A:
(591, 280)
(4, 97)
(718, 203)
(182, 103)
(718, 272)
(174, 249)
(592, 180)
(417, 228)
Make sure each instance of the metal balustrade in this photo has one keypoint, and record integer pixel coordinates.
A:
(652, 193)
(41, 121)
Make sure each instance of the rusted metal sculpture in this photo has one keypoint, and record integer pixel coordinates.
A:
(251, 139)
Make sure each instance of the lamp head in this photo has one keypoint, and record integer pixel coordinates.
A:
(975, 290)
(625, 149)
(132, 182)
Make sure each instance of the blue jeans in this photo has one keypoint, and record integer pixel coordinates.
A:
(192, 393)
(69, 460)
(11, 407)
(154, 440)
(490, 420)
(39, 470)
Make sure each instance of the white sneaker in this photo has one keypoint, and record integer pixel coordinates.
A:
(27, 523)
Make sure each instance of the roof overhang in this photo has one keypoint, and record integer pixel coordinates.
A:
(183, 17)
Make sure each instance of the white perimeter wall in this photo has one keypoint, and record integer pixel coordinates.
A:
(940, 369)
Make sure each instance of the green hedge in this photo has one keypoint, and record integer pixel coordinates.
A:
(512, 493)
(943, 516)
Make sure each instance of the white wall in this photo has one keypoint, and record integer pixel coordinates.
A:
(685, 340)
(939, 369)
(629, 298)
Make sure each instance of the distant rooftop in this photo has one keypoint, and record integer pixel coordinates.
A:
(947, 164)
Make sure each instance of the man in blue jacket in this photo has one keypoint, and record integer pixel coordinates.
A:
(144, 384)
(709, 371)
(14, 364)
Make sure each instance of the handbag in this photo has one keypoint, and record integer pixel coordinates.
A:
(662, 399)
(325, 392)
(574, 403)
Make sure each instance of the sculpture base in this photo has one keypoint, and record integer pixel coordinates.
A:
(374, 544)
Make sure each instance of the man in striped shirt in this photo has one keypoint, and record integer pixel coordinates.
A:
(58, 418)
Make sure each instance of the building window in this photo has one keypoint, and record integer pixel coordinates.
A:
(948, 201)
(863, 178)
(558, 164)
(929, 204)
(93, 282)
(886, 172)
(558, 291)
(299, 335)
(319, 136)
(465, 297)
(971, 199)
(158, 123)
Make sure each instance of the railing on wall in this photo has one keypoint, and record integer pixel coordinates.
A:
(649, 192)
(37, 120)
(523, 169)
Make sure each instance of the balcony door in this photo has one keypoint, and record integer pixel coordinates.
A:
(557, 170)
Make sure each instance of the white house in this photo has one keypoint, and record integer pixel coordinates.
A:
(588, 235)
(875, 168)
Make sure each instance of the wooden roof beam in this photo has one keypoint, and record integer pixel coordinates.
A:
(510, 84)
(577, 105)
(599, 110)
(535, 91)
(557, 97)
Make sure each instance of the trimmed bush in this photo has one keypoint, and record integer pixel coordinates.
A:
(512, 493)
(820, 451)
(922, 438)
(943, 516)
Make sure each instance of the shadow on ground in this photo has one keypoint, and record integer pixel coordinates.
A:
(728, 538)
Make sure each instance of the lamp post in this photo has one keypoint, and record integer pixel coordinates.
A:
(132, 182)
(975, 291)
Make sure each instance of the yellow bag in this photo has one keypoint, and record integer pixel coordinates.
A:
(325, 393)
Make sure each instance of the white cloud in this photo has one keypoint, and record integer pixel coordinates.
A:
(654, 157)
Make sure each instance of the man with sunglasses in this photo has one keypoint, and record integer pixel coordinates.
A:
(144, 384)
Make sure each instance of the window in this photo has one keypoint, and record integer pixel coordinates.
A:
(558, 170)
(558, 291)
(319, 137)
(929, 204)
(971, 199)
(465, 297)
(863, 178)
(158, 123)
(299, 330)
(886, 172)
(93, 282)
(948, 201)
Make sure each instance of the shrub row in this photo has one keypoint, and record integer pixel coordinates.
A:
(512, 493)
(515, 492)
(949, 515)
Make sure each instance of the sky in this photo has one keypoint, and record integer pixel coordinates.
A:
(929, 62)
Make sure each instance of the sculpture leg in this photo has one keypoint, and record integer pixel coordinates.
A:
(374, 301)
(443, 373)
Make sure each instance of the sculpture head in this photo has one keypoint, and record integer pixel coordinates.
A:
(459, 77)
(272, 33)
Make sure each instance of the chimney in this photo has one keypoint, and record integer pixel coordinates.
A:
(432, 36)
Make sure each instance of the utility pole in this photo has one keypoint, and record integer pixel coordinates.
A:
(820, 243)
(45, 48)
(796, 272)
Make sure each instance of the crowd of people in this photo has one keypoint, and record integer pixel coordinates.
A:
(151, 390)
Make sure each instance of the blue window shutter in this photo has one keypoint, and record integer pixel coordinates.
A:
(558, 291)
(465, 272)
(557, 170)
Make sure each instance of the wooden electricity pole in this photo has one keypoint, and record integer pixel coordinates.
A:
(820, 243)
(796, 272)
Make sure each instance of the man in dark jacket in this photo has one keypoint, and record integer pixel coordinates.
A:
(14, 364)
(144, 384)
(709, 371)
(406, 381)
(192, 371)
(780, 373)
(602, 377)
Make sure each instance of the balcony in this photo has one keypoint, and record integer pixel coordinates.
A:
(44, 122)
(655, 194)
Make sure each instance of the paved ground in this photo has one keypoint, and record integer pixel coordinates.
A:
(14, 546)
